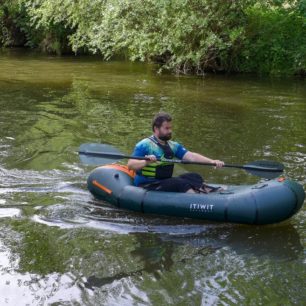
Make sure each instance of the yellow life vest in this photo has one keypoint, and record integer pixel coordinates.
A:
(160, 170)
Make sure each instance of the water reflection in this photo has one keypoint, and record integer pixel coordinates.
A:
(280, 242)
(9, 212)
(17, 284)
(93, 282)
(161, 253)
(204, 265)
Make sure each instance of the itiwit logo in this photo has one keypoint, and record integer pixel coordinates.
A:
(201, 207)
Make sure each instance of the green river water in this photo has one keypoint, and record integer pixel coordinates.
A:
(59, 246)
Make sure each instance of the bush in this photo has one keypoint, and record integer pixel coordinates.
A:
(275, 41)
(10, 33)
(185, 36)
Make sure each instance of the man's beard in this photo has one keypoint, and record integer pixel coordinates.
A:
(165, 137)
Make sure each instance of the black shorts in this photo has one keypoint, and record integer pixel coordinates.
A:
(181, 183)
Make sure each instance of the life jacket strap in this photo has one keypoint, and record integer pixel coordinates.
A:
(168, 153)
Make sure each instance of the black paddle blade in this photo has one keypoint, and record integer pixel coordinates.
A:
(265, 174)
(265, 168)
(90, 153)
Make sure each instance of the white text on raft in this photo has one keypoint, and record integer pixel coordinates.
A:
(201, 207)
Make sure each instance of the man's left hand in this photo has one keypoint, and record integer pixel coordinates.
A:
(218, 163)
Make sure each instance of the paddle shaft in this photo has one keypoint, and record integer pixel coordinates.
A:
(175, 161)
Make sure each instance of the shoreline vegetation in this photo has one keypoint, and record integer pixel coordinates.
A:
(183, 36)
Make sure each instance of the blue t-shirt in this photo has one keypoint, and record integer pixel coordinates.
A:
(148, 147)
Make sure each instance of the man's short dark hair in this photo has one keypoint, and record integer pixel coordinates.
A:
(159, 119)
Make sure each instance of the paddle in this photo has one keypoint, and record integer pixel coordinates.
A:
(99, 154)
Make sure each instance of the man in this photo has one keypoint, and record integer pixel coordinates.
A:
(154, 175)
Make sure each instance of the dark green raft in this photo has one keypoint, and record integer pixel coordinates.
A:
(269, 202)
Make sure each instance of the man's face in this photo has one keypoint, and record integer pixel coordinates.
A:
(165, 131)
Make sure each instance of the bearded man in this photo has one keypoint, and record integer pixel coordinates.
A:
(154, 175)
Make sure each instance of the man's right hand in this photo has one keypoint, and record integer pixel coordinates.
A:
(151, 159)
(136, 165)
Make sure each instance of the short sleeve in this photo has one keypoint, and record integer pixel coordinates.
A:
(140, 150)
(180, 151)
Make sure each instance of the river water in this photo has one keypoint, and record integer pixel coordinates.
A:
(59, 246)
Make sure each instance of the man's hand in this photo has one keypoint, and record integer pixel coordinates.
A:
(218, 163)
(136, 165)
(152, 159)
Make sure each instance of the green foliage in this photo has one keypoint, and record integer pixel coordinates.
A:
(188, 36)
(8, 18)
(275, 41)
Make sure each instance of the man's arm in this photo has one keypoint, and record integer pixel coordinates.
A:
(196, 157)
(136, 164)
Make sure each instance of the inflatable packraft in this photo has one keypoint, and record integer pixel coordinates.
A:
(267, 202)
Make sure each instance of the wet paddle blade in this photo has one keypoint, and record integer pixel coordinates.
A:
(265, 174)
(265, 168)
(90, 154)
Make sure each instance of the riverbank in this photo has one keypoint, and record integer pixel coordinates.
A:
(185, 37)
